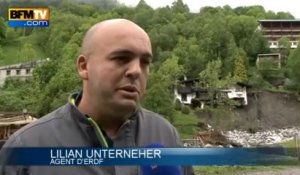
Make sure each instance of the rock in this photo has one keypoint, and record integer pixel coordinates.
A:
(208, 145)
(246, 139)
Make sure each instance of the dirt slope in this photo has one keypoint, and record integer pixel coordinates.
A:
(267, 110)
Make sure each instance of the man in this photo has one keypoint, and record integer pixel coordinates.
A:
(114, 66)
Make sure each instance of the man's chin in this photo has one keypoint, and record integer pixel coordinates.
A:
(127, 105)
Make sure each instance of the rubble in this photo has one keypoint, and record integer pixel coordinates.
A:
(246, 139)
(11, 122)
(237, 138)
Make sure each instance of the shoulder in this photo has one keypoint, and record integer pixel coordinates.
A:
(45, 121)
(153, 118)
(155, 128)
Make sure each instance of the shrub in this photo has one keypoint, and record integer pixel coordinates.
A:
(185, 110)
(178, 105)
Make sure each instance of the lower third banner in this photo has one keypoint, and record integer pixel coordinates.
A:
(144, 156)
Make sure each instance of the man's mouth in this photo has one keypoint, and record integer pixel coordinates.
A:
(130, 88)
(130, 91)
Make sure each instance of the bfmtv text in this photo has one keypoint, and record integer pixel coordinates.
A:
(28, 17)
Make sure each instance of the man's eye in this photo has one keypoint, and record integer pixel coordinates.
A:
(122, 58)
(146, 61)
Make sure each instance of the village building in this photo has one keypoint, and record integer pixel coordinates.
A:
(188, 93)
(20, 71)
(271, 58)
(274, 29)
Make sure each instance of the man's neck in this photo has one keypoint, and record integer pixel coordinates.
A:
(108, 122)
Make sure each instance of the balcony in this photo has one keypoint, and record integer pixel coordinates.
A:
(278, 29)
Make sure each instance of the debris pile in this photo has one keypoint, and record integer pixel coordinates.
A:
(246, 139)
(11, 122)
(236, 138)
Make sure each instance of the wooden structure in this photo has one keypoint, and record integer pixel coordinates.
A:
(11, 122)
(271, 58)
(274, 29)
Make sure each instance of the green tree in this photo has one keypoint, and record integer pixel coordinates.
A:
(12, 97)
(168, 34)
(3, 28)
(2, 54)
(211, 79)
(58, 82)
(38, 101)
(240, 71)
(10, 101)
(142, 15)
(27, 52)
(284, 15)
(284, 47)
(256, 11)
(11, 34)
(190, 56)
(294, 71)
(177, 105)
(242, 27)
(271, 15)
(171, 70)
(216, 41)
(159, 95)
(158, 99)
(62, 28)
(179, 7)
(162, 16)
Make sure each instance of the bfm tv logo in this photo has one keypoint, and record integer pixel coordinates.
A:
(28, 17)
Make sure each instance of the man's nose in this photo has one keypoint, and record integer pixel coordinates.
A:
(134, 69)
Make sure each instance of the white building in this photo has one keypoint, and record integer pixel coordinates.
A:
(186, 91)
(238, 93)
(22, 71)
(189, 91)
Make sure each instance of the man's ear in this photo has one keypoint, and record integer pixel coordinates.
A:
(82, 67)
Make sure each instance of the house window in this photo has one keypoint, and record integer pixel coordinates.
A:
(7, 72)
(239, 89)
(18, 71)
(183, 97)
(27, 71)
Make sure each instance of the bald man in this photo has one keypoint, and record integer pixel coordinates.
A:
(114, 67)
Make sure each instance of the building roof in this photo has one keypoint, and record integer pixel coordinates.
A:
(190, 80)
(269, 54)
(25, 65)
(279, 20)
(16, 120)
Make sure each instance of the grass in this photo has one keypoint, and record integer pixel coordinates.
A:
(291, 147)
(232, 170)
(11, 51)
(186, 124)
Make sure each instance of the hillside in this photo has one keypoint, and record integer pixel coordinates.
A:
(20, 50)
(265, 111)
(269, 110)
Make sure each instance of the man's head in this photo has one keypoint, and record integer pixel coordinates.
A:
(114, 65)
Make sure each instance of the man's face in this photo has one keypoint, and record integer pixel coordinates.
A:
(118, 69)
